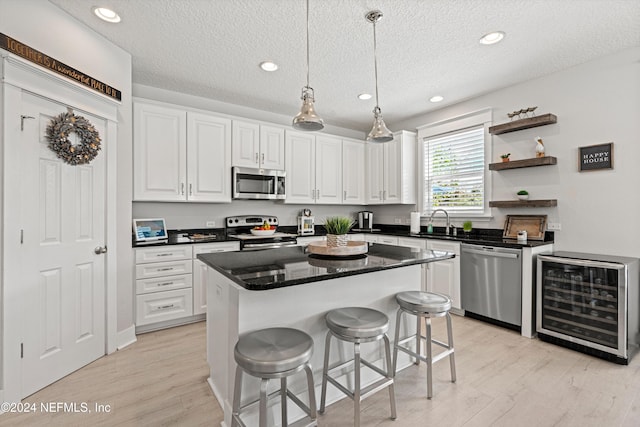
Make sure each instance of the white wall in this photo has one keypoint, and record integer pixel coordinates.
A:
(596, 102)
(48, 29)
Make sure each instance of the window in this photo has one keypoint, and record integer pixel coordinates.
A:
(454, 165)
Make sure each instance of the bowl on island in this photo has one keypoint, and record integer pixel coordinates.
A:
(262, 232)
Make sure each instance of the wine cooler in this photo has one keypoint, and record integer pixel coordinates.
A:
(589, 303)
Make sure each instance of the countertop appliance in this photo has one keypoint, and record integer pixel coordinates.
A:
(365, 221)
(491, 284)
(238, 227)
(589, 303)
(258, 184)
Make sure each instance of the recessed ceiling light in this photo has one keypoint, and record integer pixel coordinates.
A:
(106, 14)
(364, 96)
(268, 65)
(436, 98)
(492, 38)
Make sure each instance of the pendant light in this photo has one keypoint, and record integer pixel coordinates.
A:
(379, 131)
(307, 119)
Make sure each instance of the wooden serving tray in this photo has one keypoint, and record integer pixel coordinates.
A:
(354, 247)
(534, 225)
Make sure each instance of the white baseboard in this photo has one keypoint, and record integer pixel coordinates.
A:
(126, 337)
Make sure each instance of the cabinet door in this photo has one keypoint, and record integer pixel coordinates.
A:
(392, 187)
(300, 162)
(208, 158)
(246, 144)
(328, 170)
(159, 153)
(353, 162)
(375, 172)
(444, 276)
(272, 147)
(200, 272)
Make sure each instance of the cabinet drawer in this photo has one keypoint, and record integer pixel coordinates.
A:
(412, 242)
(215, 247)
(161, 306)
(156, 284)
(442, 245)
(163, 254)
(157, 269)
(388, 240)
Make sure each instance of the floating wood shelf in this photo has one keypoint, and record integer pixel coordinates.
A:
(525, 163)
(523, 203)
(529, 122)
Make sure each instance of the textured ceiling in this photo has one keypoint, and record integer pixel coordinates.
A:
(212, 48)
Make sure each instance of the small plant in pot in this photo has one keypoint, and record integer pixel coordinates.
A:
(523, 194)
(337, 228)
(467, 226)
(505, 157)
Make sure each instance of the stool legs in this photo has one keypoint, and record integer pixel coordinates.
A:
(390, 374)
(283, 400)
(427, 322)
(325, 372)
(237, 392)
(264, 382)
(356, 392)
(452, 360)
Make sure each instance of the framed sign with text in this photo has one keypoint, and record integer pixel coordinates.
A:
(595, 157)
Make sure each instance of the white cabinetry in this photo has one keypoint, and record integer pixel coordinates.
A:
(257, 145)
(180, 155)
(353, 167)
(314, 168)
(444, 276)
(200, 271)
(391, 170)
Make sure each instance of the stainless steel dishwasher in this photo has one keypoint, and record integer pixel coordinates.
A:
(491, 283)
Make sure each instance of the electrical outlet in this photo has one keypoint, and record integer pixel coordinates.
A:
(398, 220)
(554, 226)
(211, 224)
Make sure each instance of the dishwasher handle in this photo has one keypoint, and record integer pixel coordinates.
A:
(490, 252)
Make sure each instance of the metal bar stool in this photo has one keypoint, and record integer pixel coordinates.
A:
(269, 354)
(358, 325)
(425, 305)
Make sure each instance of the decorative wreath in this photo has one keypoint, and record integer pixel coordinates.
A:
(58, 132)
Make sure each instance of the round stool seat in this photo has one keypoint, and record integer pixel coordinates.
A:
(357, 322)
(423, 302)
(273, 350)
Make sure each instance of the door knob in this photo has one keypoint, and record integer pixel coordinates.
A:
(100, 250)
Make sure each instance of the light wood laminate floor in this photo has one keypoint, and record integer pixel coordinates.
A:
(503, 380)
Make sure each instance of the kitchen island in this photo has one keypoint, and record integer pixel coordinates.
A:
(288, 287)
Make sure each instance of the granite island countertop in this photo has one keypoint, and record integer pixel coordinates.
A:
(277, 268)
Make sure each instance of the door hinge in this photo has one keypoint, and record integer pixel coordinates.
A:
(21, 350)
(21, 236)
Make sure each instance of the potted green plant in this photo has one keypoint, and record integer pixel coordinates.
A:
(337, 228)
(505, 157)
(522, 194)
(467, 226)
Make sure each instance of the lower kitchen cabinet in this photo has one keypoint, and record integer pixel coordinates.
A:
(444, 276)
(170, 284)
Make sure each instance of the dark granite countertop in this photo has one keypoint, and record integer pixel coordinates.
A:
(277, 268)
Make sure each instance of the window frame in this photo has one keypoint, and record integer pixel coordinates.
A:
(440, 128)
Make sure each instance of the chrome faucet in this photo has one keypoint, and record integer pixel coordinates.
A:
(446, 230)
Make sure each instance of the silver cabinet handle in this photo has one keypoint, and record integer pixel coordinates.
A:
(345, 195)
(165, 284)
(262, 160)
(182, 188)
(191, 189)
(164, 254)
(100, 250)
(165, 269)
(162, 307)
(256, 157)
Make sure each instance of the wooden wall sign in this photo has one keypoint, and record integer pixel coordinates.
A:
(9, 44)
(595, 157)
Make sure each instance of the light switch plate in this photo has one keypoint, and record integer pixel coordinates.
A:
(554, 226)
(211, 224)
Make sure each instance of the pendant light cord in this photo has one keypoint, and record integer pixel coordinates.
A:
(375, 61)
(307, 43)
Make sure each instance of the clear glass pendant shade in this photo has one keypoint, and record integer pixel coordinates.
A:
(307, 119)
(379, 131)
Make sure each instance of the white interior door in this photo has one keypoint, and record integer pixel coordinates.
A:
(63, 293)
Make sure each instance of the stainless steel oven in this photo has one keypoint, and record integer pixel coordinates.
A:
(239, 227)
(258, 184)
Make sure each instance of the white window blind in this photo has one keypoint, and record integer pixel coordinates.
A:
(454, 172)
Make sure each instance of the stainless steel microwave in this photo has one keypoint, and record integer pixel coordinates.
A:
(258, 184)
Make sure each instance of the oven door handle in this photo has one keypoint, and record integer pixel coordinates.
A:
(257, 246)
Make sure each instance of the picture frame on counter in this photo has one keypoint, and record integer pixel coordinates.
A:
(595, 157)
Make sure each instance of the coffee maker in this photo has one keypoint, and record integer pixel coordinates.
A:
(365, 220)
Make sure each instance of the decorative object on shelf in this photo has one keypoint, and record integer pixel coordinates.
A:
(522, 236)
(539, 147)
(534, 225)
(379, 131)
(467, 226)
(58, 132)
(305, 223)
(307, 119)
(595, 157)
(523, 195)
(505, 157)
(337, 228)
(522, 111)
(525, 123)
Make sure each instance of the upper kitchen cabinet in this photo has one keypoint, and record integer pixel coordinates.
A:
(353, 166)
(314, 168)
(391, 170)
(180, 156)
(257, 145)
